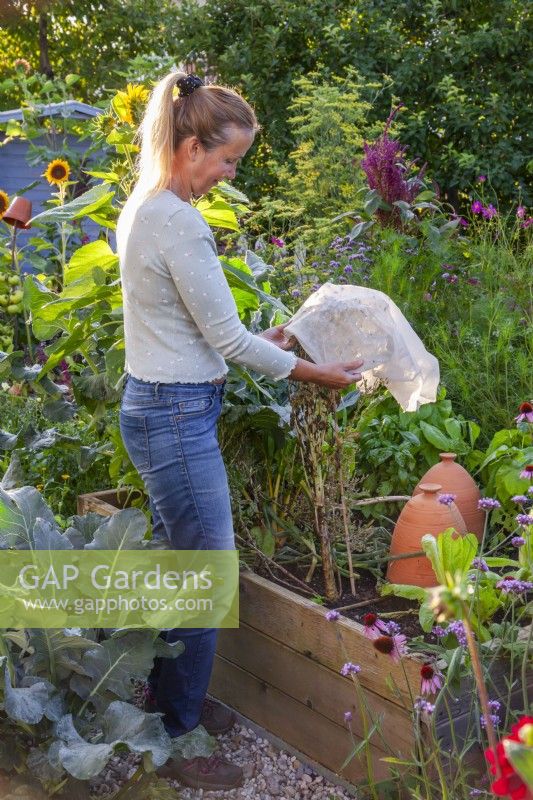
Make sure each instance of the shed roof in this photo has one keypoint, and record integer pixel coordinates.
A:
(70, 108)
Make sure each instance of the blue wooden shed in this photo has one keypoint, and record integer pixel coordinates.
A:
(16, 172)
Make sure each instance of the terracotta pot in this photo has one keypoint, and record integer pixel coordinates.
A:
(18, 213)
(421, 514)
(456, 480)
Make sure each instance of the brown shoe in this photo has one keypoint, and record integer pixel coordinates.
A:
(216, 718)
(203, 773)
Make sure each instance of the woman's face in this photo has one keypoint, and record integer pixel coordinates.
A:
(208, 167)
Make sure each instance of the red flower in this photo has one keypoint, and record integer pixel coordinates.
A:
(509, 783)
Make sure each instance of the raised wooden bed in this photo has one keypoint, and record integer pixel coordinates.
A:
(281, 669)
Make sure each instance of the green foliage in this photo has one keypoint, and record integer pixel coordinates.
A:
(395, 448)
(461, 71)
(320, 176)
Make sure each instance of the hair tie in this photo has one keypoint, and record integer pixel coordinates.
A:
(187, 85)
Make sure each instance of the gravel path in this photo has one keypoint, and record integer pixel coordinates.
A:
(270, 773)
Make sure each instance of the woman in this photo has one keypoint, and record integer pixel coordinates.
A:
(181, 323)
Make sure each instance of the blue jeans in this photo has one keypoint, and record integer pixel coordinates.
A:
(170, 433)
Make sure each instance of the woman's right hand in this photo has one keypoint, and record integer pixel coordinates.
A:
(334, 375)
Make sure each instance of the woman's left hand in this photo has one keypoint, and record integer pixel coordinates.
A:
(277, 336)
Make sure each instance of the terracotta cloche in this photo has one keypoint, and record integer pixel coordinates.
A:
(422, 514)
(454, 479)
(19, 213)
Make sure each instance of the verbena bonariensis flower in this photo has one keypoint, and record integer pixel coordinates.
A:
(431, 679)
(479, 563)
(494, 707)
(386, 171)
(332, 615)
(518, 541)
(524, 519)
(488, 503)
(510, 585)
(525, 413)
(509, 783)
(520, 499)
(458, 629)
(348, 716)
(447, 498)
(393, 646)
(527, 472)
(424, 705)
(350, 669)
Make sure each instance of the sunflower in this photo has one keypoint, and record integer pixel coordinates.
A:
(129, 105)
(4, 203)
(57, 171)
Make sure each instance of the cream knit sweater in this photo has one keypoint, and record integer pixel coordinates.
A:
(180, 318)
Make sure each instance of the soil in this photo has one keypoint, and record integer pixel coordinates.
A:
(402, 611)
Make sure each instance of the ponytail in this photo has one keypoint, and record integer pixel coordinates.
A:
(205, 112)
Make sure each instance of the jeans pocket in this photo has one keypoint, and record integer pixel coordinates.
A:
(135, 437)
(194, 406)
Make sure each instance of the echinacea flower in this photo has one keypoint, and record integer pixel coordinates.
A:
(524, 519)
(374, 627)
(525, 413)
(447, 498)
(527, 472)
(509, 783)
(57, 171)
(393, 646)
(476, 207)
(332, 615)
(432, 679)
(350, 669)
(4, 203)
(488, 503)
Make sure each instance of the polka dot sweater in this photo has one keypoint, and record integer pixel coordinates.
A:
(180, 318)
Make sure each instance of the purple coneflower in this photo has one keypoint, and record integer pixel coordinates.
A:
(488, 503)
(373, 626)
(432, 679)
(525, 413)
(527, 473)
(393, 646)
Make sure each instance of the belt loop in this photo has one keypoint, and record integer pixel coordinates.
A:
(156, 391)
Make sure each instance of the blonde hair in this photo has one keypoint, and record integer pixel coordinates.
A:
(169, 119)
